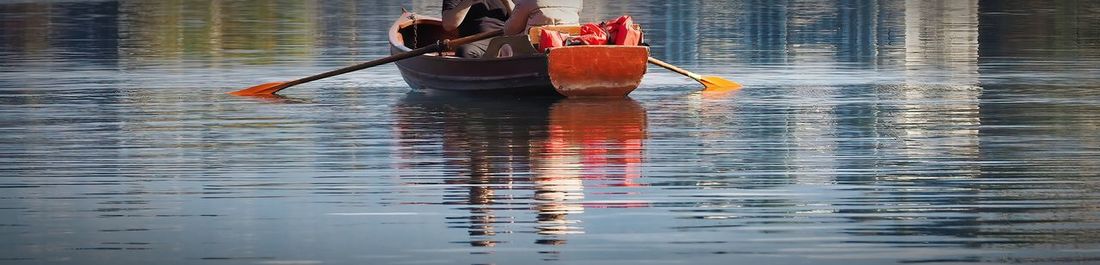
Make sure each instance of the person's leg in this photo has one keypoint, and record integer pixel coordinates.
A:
(473, 50)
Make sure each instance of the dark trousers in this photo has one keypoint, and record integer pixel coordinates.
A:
(477, 48)
(472, 50)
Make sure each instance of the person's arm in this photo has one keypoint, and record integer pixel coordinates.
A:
(508, 7)
(517, 22)
(453, 17)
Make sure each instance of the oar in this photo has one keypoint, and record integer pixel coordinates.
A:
(271, 88)
(710, 83)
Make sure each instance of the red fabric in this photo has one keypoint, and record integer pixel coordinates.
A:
(619, 31)
(622, 31)
(592, 34)
(551, 39)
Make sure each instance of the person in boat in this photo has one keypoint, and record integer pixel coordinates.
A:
(469, 17)
(534, 13)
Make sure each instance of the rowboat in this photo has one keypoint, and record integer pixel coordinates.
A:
(423, 53)
(574, 71)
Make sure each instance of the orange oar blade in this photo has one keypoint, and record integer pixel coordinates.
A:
(597, 71)
(261, 90)
(718, 84)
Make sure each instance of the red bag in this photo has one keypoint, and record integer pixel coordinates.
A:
(551, 39)
(592, 34)
(622, 31)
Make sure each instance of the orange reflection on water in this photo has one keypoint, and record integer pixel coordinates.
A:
(599, 141)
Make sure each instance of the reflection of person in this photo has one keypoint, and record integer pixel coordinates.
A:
(533, 13)
(483, 153)
(469, 17)
(556, 195)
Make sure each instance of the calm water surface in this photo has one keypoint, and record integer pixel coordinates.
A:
(869, 132)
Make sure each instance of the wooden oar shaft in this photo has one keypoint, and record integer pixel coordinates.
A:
(674, 68)
(710, 83)
(397, 57)
(357, 67)
(271, 88)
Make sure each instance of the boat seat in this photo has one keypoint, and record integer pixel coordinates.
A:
(519, 44)
(444, 54)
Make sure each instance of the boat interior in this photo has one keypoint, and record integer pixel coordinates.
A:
(423, 32)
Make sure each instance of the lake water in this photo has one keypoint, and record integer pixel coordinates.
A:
(868, 132)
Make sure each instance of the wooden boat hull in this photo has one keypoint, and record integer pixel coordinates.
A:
(513, 75)
(575, 71)
(597, 71)
(461, 75)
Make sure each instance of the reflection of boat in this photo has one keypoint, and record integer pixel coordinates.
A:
(575, 70)
(527, 127)
(585, 120)
(604, 139)
(478, 135)
(483, 145)
(492, 147)
(589, 141)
